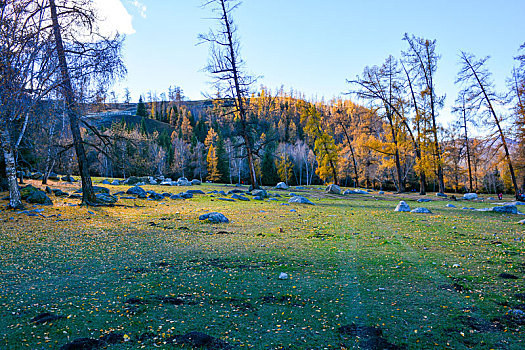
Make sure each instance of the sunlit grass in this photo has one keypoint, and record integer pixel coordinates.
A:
(426, 280)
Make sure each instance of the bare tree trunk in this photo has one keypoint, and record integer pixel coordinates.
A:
(356, 177)
(88, 195)
(500, 130)
(15, 201)
(239, 97)
(467, 145)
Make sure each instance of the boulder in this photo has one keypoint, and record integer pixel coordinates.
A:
(421, 211)
(36, 176)
(236, 191)
(424, 200)
(300, 200)
(522, 222)
(507, 209)
(105, 182)
(115, 182)
(175, 196)
(39, 197)
(402, 206)
(195, 191)
(196, 182)
(168, 183)
(259, 193)
(258, 198)
(68, 178)
(226, 199)
(96, 189)
(470, 196)
(381, 192)
(27, 191)
(186, 195)
(347, 192)
(450, 205)
(182, 181)
(441, 195)
(53, 176)
(281, 186)
(106, 198)
(214, 217)
(156, 196)
(137, 191)
(334, 189)
(241, 198)
(133, 180)
(60, 193)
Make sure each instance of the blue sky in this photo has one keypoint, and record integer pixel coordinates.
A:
(314, 46)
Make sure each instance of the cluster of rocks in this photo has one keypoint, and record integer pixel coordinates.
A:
(37, 175)
(404, 207)
(151, 180)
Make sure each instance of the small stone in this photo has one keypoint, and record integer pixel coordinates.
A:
(450, 205)
(283, 276)
(441, 195)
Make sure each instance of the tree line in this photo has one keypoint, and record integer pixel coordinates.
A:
(53, 74)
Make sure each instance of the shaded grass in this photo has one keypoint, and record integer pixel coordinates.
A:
(154, 270)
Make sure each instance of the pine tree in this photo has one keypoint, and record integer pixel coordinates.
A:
(141, 109)
(268, 169)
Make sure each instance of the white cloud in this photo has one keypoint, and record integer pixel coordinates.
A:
(114, 18)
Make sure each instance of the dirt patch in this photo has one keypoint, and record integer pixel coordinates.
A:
(370, 337)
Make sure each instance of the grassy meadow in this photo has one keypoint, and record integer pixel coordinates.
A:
(359, 274)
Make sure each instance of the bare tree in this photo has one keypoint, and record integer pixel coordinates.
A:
(423, 58)
(230, 79)
(381, 87)
(479, 93)
(26, 71)
(465, 119)
(83, 62)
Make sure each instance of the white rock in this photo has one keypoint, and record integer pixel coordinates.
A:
(333, 189)
(421, 210)
(281, 186)
(283, 276)
(470, 196)
(522, 222)
(402, 206)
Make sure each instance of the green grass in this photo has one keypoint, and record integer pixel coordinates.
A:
(426, 280)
